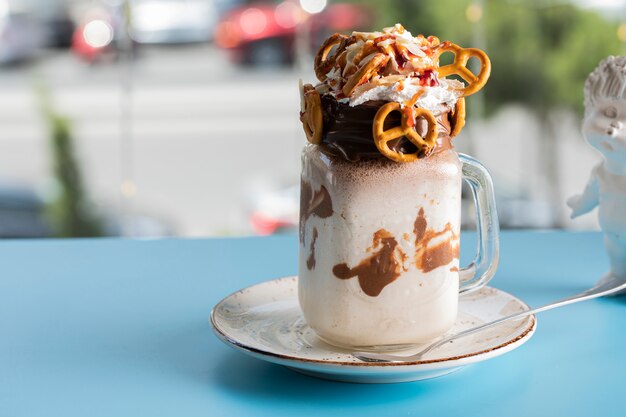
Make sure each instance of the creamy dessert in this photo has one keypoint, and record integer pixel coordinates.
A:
(381, 187)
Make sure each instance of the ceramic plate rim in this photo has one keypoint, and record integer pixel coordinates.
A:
(447, 362)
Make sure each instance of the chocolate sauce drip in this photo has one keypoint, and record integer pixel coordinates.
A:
(379, 269)
(429, 257)
(348, 130)
(310, 262)
(312, 203)
(419, 227)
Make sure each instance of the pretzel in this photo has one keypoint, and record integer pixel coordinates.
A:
(382, 137)
(458, 117)
(311, 116)
(366, 72)
(459, 66)
(323, 63)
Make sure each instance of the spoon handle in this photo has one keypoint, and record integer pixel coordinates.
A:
(595, 292)
(592, 293)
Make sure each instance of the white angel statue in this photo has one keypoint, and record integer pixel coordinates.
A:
(604, 129)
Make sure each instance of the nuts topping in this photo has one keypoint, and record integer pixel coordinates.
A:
(365, 73)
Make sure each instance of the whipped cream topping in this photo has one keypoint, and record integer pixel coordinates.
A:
(437, 99)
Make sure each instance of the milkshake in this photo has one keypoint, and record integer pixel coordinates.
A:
(381, 189)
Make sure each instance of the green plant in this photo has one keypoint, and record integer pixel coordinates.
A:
(69, 211)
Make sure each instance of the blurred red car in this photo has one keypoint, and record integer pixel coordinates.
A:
(264, 34)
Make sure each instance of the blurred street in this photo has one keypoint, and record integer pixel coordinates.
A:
(203, 132)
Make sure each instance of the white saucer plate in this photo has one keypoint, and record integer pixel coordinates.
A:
(265, 321)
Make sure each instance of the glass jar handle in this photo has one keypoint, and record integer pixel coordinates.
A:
(484, 265)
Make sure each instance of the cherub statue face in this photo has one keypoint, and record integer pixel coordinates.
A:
(604, 128)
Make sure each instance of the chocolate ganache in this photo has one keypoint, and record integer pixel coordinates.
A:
(347, 131)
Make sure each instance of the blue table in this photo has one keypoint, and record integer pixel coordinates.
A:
(119, 328)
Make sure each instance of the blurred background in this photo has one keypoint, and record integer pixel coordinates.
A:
(149, 118)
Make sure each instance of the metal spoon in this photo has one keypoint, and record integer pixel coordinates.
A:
(608, 286)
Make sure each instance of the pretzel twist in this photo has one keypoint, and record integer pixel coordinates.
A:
(459, 66)
(382, 137)
(311, 116)
(324, 63)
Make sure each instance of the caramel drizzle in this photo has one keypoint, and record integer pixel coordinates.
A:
(409, 108)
